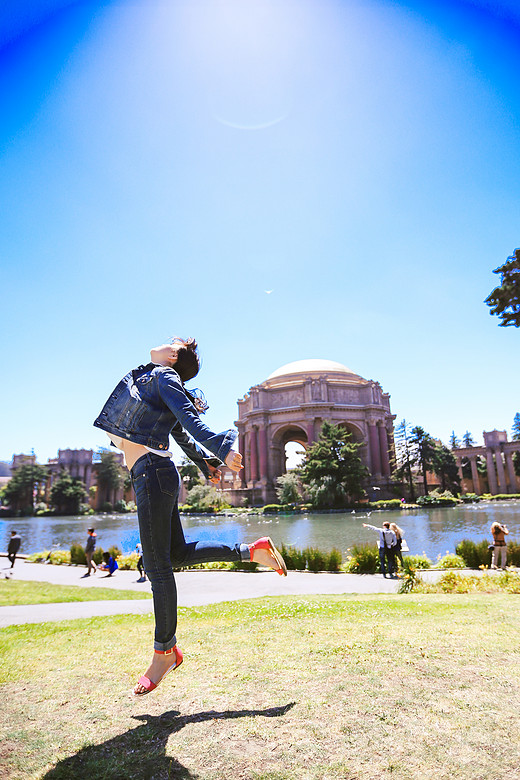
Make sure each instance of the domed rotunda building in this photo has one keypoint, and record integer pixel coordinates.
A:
(291, 405)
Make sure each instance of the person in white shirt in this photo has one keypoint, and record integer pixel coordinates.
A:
(387, 543)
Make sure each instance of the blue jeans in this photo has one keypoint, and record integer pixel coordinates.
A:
(156, 485)
(390, 557)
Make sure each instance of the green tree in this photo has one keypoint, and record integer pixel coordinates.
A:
(190, 474)
(454, 441)
(445, 466)
(205, 498)
(404, 456)
(515, 434)
(289, 488)
(504, 301)
(25, 488)
(67, 494)
(467, 440)
(423, 449)
(332, 473)
(110, 477)
(515, 430)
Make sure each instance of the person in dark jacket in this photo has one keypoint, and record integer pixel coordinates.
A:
(13, 547)
(150, 404)
(89, 551)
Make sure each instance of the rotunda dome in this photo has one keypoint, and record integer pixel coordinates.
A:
(312, 366)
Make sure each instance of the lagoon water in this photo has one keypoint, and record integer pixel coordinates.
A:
(430, 531)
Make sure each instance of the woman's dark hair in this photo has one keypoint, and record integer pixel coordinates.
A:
(188, 363)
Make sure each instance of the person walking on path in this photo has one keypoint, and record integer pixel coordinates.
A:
(386, 544)
(499, 532)
(140, 568)
(147, 406)
(89, 551)
(13, 547)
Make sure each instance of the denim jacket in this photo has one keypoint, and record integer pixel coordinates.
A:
(149, 404)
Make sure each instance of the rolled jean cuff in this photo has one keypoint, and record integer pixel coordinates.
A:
(165, 645)
(245, 553)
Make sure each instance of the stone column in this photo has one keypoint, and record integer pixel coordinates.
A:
(459, 468)
(375, 457)
(511, 472)
(492, 475)
(262, 437)
(310, 432)
(383, 445)
(475, 475)
(254, 455)
(501, 472)
(242, 451)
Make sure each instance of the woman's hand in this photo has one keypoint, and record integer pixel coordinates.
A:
(165, 355)
(214, 474)
(233, 460)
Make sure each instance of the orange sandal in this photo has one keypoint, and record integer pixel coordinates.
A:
(265, 543)
(145, 681)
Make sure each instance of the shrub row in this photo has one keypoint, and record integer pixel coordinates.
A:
(311, 559)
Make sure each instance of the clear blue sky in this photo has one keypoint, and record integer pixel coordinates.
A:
(165, 163)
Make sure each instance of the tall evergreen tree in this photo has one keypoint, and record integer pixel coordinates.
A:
(467, 440)
(445, 466)
(504, 301)
(67, 494)
(190, 474)
(110, 476)
(515, 430)
(332, 473)
(454, 441)
(424, 448)
(404, 456)
(25, 487)
(515, 434)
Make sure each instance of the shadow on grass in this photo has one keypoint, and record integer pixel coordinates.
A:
(140, 753)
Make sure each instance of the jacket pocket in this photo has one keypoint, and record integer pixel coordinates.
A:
(168, 479)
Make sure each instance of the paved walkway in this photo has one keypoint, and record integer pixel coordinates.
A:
(195, 588)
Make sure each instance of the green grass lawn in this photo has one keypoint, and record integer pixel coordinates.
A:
(413, 687)
(14, 592)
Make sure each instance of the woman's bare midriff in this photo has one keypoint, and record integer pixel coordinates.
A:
(132, 451)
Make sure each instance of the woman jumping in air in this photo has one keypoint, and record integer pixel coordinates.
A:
(147, 406)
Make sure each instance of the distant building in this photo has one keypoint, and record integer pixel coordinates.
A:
(23, 460)
(291, 405)
(497, 453)
(83, 465)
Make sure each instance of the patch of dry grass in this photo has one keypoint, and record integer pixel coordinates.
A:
(370, 687)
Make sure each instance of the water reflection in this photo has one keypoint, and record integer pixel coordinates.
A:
(432, 531)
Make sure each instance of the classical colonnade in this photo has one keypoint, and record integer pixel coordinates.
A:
(498, 454)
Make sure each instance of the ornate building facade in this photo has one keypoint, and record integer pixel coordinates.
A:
(291, 405)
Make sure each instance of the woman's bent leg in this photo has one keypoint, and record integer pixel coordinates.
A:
(156, 489)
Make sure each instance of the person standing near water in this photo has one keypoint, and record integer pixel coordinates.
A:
(147, 406)
(89, 551)
(386, 544)
(499, 531)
